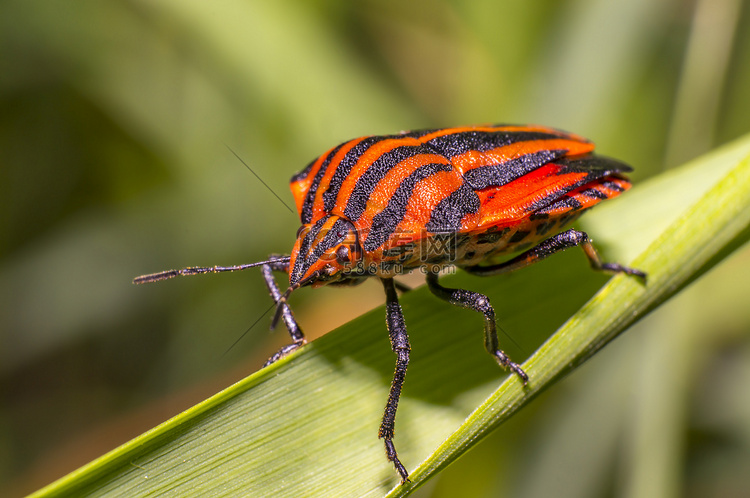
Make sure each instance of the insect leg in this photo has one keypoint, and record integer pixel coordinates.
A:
(480, 303)
(560, 242)
(400, 345)
(298, 338)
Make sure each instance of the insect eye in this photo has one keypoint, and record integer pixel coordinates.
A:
(342, 255)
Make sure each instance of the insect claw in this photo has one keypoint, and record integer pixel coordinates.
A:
(519, 371)
(284, 351)
(618, 268)
(637, 273)
(390, 452)
(506, 362)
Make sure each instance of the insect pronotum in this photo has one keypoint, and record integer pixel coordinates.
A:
(382, 206)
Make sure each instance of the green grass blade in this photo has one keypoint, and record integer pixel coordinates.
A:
(307, 425)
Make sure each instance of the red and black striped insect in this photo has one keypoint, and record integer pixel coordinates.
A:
(382, 206)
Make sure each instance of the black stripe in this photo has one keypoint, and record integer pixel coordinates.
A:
(446, 216)
(334, 237)
(460, 143)
(303, 174)
(594, 193)
(366, 183)
(344, 168)
(568, 202)
(497, 175)
(386, 221)
(539, 216)
(306, 212)
(613, 186)
(592, 162)
(304, 248)
(519, 236)
(558, 198)
(596, 167)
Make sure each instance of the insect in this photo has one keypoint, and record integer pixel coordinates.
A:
(382, 206)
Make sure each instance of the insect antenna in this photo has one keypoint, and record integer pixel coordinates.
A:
(260, 179)
(197, 270)
(247, 331)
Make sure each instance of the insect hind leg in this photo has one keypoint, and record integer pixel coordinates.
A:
(557, 243)
(479, 303)
(400, 345)
(295, 332)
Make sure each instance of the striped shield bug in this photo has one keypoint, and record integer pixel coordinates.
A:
(382, 206)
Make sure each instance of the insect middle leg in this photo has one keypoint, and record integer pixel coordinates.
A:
(298, 338)
(559, 242)
(400, 345)
(480, 303)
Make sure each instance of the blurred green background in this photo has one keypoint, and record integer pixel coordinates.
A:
(116, 120)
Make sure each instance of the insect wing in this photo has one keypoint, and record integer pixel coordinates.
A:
(496, 158)
(553, 189)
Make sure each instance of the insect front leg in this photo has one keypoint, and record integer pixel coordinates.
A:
(480, 303)
(400, 345)
(298, 338)
(560, 242)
